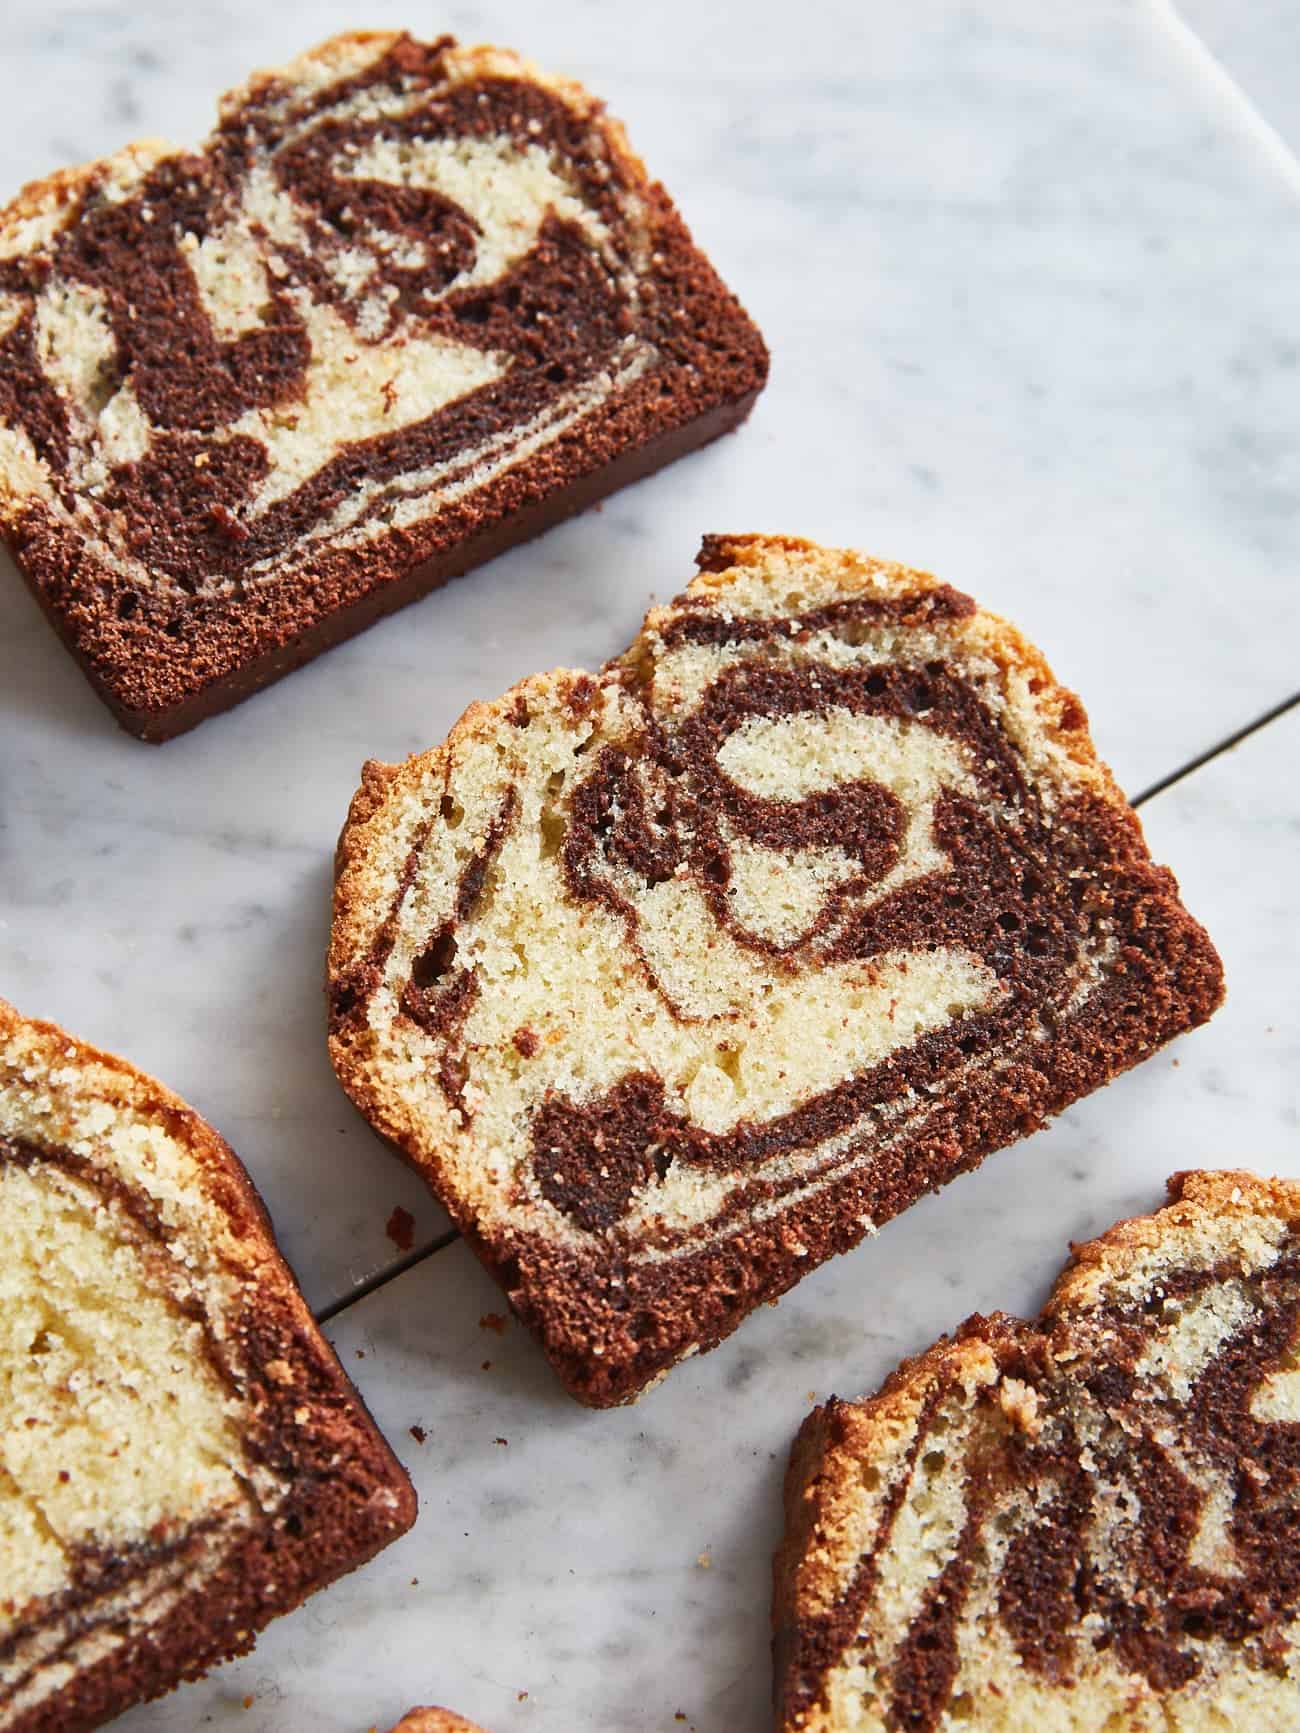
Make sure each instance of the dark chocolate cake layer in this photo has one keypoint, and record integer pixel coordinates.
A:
(677, 979)
(408, 305)
(181, 1456)
(1086, 1522)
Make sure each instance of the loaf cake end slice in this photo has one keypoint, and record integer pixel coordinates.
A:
(676, 979)
(409, 304)
(182, 1457)
(1085, 1522)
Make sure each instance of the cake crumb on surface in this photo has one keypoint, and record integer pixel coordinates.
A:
(400, 1228)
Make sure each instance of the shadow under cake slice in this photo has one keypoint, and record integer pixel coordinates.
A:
(182, 1457)
(675, 980)
(409, 304)
(1084, 1522)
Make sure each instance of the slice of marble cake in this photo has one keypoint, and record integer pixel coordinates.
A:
(1090, 1521)
(181, 1455)
(408, 305)
(677, 979)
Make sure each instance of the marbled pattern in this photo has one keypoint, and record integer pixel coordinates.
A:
(1028, 278)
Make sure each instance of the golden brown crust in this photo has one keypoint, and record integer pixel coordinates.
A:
(52, 192)
(1198, 1201)
(724, 560)
(376, 779)
(330, 57)
(435, 1721)
(121, 1083)
(823, 1481)
(801, 1577)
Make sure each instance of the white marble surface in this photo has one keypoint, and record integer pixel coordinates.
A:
(1028, 275)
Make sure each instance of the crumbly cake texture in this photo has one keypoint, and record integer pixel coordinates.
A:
(434, 1721)
(677, 979)
(1085, 1522)
(182, 1457)
(408, 305)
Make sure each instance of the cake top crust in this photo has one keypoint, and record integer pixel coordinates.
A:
(1085, 1517)
(435, 1721)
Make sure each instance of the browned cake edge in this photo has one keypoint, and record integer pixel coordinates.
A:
(331, 1521)
(716, 363)
(1195, 1197)
(1168, 979)
(433, 1720)
(822, 1477)
(821, 1483)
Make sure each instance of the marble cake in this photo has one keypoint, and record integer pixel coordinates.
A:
(675, 980)
(409, 304)
(1086, 1522)
(181, 1455)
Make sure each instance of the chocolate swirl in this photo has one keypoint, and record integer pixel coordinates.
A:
(1006, 890)
(185, 447)
(904, 805)
(1140, 1527)
(808, 903)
